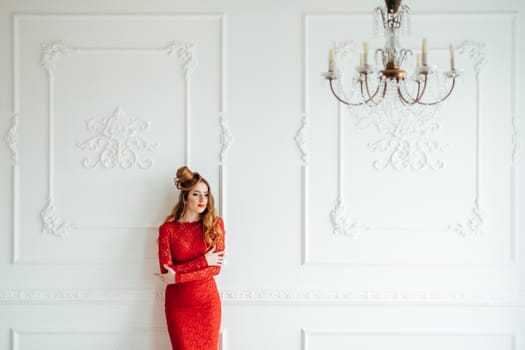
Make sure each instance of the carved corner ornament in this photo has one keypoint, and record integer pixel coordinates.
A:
(51, 53)
(341, 224)
(52, 224)
(473, 225)
(185, 52)
(475, 51)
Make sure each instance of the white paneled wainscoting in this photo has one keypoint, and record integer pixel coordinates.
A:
(342, 232)
(62, 317)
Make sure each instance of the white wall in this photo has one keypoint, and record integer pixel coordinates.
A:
(436, 261)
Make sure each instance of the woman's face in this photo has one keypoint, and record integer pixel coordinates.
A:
(197, 199)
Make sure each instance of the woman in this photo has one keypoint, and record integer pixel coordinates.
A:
(191, 252)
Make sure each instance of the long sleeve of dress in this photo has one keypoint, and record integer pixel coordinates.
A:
(206, 272)
(165, 255)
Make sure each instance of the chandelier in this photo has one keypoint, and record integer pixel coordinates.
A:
(373, 87)
(403, 88)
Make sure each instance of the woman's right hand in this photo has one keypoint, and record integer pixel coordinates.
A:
(169, 277)
(214, 258)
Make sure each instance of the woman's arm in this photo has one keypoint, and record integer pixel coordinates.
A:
(202, 274)
(198, 263)
(209, 271)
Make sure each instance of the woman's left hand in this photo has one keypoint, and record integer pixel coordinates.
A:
(169, 277)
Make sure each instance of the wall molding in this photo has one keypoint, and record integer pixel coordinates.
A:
(341, 225)
(342, 221)
(385, 296)
(50, 56)
(16, 334)
(307, 333)
(52, 224)
(301, 138)
(472, 226)
(226, 138)
(11, 138)
(51, 53)
(185, 52)
(334, 297)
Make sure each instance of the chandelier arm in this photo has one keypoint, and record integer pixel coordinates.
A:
(403, 55)
(420, 95)
(441, 99)
(384, 89)
(404, 100)
(383, 94)
(381, 52)
(378, 88)
(413, 101)
(368, 89)
(340, 99)
(358, 103)
(380, 10)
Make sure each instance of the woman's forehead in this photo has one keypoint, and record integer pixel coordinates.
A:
(201, 186)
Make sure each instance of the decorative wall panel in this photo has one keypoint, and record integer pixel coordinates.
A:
(153, 338)
(336, 238)
(140, 94)
(274, 297)
(382, 213)
(412, 340)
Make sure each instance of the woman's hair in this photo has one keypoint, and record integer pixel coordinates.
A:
(186, 181)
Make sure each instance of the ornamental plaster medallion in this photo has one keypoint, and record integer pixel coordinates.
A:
(402, 151)
(118, 142)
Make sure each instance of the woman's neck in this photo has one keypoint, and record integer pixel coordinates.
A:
(190, 217)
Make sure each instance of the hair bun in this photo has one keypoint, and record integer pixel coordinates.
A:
(185, 177)
(184, 174)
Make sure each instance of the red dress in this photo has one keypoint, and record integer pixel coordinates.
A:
(192, 304)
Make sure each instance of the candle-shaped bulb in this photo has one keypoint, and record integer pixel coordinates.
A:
(424, 52)
(452, 63)
(365, 52)
(361, 59)
(331, 61)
